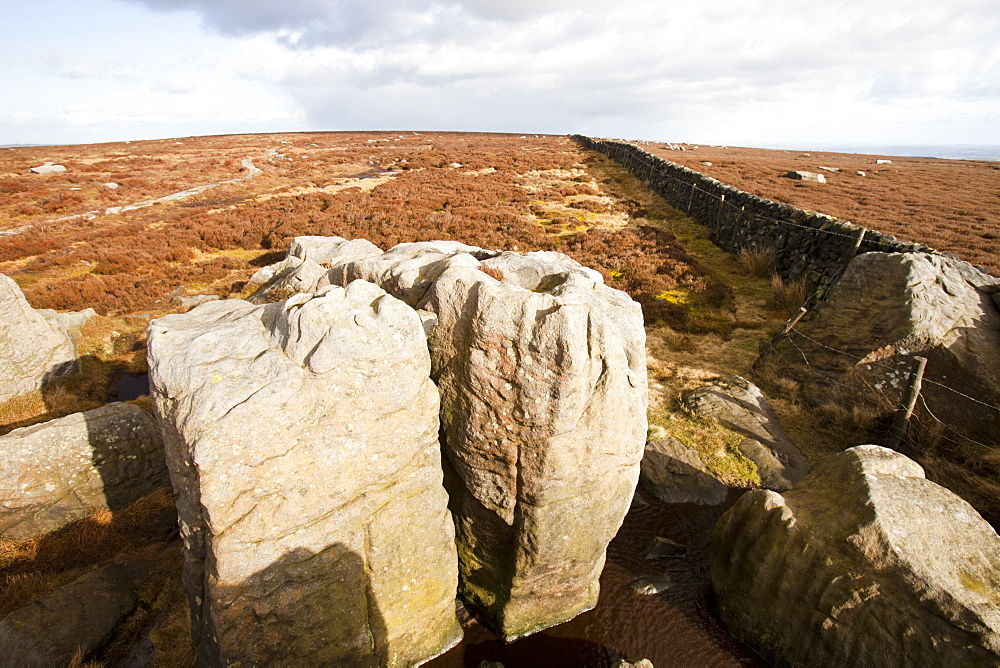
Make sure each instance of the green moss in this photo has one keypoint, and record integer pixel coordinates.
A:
(976, 585)
(716, 444)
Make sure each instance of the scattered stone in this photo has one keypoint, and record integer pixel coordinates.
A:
(865, 562)
(80, 615)
(33, 348)
(664, 548)
(49, 168)
(706, 163)
(830, 169)
(59, 471)
(674, 473)
(813, 177)
(740, 405)
(861, 173)
(883, 162)
(650, 585)
(886, 309)
(456, 165)
(112, 185)
(302, 441)
(543, 379)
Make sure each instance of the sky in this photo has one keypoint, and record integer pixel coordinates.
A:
(736, 72)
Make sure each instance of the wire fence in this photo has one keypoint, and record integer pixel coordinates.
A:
(948, 432)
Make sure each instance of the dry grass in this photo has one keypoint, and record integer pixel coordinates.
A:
(787, 294)
(758, 261)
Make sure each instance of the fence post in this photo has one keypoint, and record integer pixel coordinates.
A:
(691, 198)
(857, 245)
(718, 218)
(902, 420)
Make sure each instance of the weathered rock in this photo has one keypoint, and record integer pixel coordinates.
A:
(886, 309)
(32, 349)
(59, 471)
(740, 405)
(302, 443)
(290, 280)
(196, 300)
(48, 168)
(71, 322)
(674, 473)
(543, 383)
(82, 614)
(327, 251)
(864, 563)
(814, 177)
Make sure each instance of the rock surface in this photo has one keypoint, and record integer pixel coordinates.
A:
(886, 309)
(543, 389)
(302, 440)
(674, 473)
(48, 168)
(32, 349)
(82, 614)
(865, 562)
(814, 177)
(59, 471)
(740, 405)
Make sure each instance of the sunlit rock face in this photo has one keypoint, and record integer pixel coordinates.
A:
(302, 441)
(865, 562)
(542, 374)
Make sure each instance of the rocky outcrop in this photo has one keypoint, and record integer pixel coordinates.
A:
(81, 615)
(33, 348)
(674, 473)
(740, 405)
(59, 471)
(542, 375)
(886, 309)
(302, 440)
(864, 563)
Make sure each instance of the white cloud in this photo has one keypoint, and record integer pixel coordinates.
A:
(719, 70)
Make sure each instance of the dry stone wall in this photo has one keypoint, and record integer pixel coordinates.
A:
(807, 245)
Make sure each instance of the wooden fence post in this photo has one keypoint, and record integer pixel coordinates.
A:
(691, 198)
(902, 420)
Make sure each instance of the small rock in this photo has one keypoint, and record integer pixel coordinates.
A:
(650, 585)
(861, 173)
(664, 548)
(674, 473)
(456, 165)
(706, 163)
(639, 663)
(740, 405)
(830, 169)
(82, 614)
(806, 176)
(883, 162)
(196, 300)
(48, 168)
(111, 184)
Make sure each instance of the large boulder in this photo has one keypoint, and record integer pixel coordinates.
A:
(864, 563)
(740, 405)
(305, 267)
(33, 348)
(542, 375)
(80, 616)
(302, 441)
(856, 350)
(63, 470)
(674, 473)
